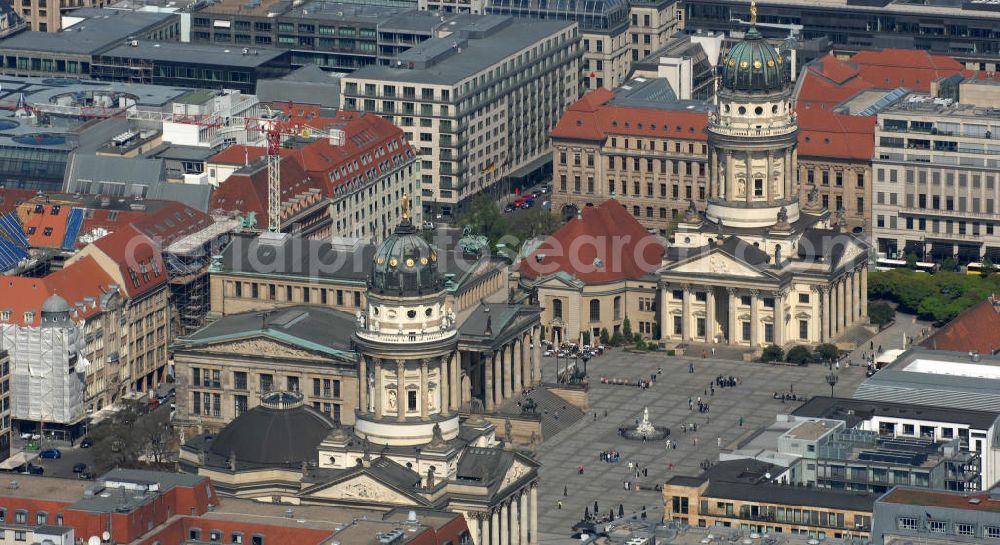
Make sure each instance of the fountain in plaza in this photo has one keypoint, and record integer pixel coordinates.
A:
(645, 429)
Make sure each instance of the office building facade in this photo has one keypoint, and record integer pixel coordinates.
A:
(469, 104)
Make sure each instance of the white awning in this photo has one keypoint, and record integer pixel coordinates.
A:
(17, 459)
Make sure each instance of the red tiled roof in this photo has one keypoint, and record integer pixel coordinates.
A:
(911, 68)
(164, 221)
(976, 329)
(942, 498)
(247, 192)
(369, 143)
(605, 245)
(238, 154)
(591, 118)
(138, 257)
(10, 198)
(75, 283)
(44, 223)
(823, 133)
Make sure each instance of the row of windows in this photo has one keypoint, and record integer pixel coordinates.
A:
(21, 517)
(636, 188)
(838, 178)
(215, 536)
(936, 178)
(945, 527)
(936, 226)
(270, 292)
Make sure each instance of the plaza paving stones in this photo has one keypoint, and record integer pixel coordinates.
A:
(667, 400)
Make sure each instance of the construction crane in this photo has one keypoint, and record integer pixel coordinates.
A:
(275, 125)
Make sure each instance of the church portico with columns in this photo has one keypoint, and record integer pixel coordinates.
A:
(758, 267)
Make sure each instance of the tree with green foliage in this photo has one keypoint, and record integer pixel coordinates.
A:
(911, 260)
(827, 352)
(534, 222)
(627, 328)
(586, 337)
(881, 313)
(949, 264)
(605, 337)
(936, 297)
(640, 344)
(484, 217)
(772, 353)
(617, 339)
(799, 354)
(988, 267)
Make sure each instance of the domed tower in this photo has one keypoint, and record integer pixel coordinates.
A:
(55, 312)
(752, 137)
(406, 338)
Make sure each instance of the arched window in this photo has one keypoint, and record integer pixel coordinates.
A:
(595, 310)
(618, 307)
(557, 308)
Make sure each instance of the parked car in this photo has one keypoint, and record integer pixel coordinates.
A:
(30, 436)
(87, 442)
(85, 475)
(508, 209)
(51, 453)
(428, 226)
(79, 468)
(30, 469)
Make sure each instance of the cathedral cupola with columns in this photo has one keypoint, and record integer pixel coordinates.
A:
(405, 338)
(759, 268)
(752, 137)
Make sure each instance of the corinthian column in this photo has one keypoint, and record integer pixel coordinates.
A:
(400, 390)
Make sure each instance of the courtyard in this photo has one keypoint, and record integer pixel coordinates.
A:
(667, 399)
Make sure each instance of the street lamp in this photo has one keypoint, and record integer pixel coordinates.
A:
(832, 380)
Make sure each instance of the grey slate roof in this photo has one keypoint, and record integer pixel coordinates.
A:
(853, 411)
(268, 436)
(298, 257)
(310, 327)
(101, 29)
(744, 480)
(195, 53)
(125, 170)
(307, 85)
(446, 65)
(132, 171)
(895, 384)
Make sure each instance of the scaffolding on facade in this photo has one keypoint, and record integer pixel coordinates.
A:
(187, 260)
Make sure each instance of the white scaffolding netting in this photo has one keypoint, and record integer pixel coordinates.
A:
(47, 378)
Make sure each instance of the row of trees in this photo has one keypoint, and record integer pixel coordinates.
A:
(801, 354)
(485, 218)
(936, 297)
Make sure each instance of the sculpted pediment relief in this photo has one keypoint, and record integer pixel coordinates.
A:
(716, 263)
(363, 488)
(262, 346)
(516, 471)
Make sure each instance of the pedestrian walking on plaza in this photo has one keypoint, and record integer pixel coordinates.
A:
(595, 507)
(559, 504)
(690, 367)
(741, 421)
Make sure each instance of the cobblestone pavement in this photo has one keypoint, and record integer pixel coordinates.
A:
(667, 400)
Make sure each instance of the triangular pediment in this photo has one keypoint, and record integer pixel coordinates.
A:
(715, 263)
(361, 488)
(515, 472)
(261, 346)
(851, 252)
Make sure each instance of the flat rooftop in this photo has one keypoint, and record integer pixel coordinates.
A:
(100, 28)
(811, 430)
(196, 53)
(474, 56)
(979, 501)
(853, 411)
(924, 105)
(320, 517)
(37, 486)
(938, 378)
(890, 8)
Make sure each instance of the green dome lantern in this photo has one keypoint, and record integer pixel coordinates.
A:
(404, 264)
(753, 65)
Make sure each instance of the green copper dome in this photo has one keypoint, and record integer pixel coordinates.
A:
(404, 264)
(754, 66)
